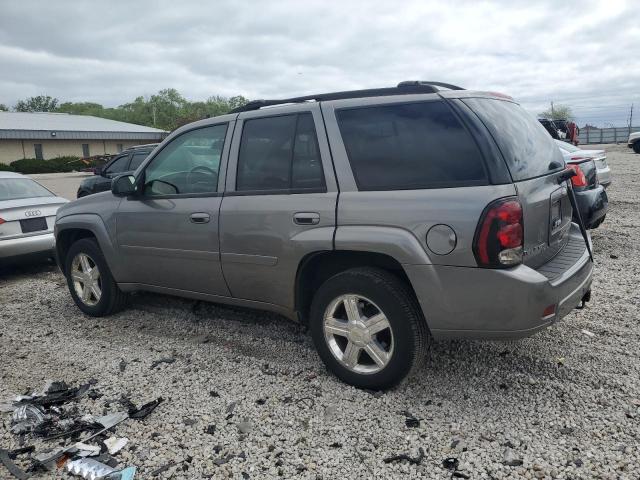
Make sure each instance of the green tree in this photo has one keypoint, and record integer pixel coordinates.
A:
(3, 108)
(41, 103)
(81, 108)
(560, 112)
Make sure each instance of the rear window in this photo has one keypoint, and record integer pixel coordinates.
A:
(410, 146)
(16, 188)
(525, 144)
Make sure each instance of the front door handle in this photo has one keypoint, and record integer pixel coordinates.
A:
(200, 217)
(306, 218)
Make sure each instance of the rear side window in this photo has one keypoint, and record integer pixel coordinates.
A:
(525, 144)
(280, 153)
(137, 160)
(410, 146)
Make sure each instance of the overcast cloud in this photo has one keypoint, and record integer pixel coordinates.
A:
(584, 54)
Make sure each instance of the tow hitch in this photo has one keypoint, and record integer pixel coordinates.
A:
(585, 298)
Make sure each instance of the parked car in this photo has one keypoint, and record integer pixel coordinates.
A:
(576, 154)
(27, 216)
(550, 126)
(591, 197)
(380, 218)
(634, 142)
(125, 162)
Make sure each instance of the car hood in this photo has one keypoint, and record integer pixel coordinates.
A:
(634, 135)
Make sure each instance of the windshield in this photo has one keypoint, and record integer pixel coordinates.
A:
(16, 188)
(526, 146)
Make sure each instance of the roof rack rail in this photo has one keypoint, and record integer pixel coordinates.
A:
(403, 88)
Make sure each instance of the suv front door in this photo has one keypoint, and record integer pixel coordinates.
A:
(168, 233)
(279, 202)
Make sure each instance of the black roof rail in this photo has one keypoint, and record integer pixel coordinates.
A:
(403, 88)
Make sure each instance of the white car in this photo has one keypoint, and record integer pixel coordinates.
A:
(634, 142)
(599, 157)
(27, 215)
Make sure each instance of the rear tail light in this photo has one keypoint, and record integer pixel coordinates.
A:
(500, 234)
(579, 179)
(2, 220)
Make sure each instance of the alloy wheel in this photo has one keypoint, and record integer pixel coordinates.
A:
(87, 282)
(358, 334)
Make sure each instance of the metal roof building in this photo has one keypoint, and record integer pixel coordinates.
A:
(50, 135)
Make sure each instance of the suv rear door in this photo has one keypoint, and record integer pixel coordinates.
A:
(279, 202)
(534, 161)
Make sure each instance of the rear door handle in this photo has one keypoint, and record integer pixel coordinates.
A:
(200, 217)
(306, 218)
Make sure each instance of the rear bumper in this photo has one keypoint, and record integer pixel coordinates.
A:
(33, 244)
(477, 303)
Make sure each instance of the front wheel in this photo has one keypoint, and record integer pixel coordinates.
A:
(368, 328)
(636, 147)
(89, 279)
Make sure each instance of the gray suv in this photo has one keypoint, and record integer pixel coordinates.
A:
(380, 218)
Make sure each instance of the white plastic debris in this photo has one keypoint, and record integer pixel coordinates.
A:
(114, 444)
(588, 333)
(86, 450)
(89, 469)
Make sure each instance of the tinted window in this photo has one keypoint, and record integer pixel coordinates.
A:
(279, 153)
(119, 165)
(188, 164)
(527, 147)
(137, 160)
(410, 146)
(15, 188)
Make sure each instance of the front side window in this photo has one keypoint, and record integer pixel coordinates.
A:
(119, 165)
(410, 146)
(189, 164)
(280, 153)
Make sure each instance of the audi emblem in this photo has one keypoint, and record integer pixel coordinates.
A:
(32, 213)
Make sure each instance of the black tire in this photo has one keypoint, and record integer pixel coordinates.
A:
(112, 298)
(410, 333)
(82, 194)
(636, 146)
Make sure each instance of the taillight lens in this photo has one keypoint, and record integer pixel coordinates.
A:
(580, 179)
(500, 235)
(2, 220)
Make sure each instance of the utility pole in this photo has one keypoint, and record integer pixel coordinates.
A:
(552, 110)
(153, 111)
(631, 119)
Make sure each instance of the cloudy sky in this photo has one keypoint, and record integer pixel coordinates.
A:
(584, 54)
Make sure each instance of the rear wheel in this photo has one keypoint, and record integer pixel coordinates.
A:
(89, 280)
(368, 328)
(636, 146)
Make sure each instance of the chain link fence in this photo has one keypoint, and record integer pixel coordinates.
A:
(606, 135)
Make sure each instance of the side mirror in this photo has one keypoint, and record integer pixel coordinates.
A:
(123, 186)
(98, 170)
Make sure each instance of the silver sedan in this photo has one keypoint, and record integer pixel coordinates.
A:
(27, 215)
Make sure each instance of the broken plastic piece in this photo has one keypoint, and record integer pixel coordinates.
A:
(12, 467)
(89, 469)
(145, 409)
(114, 444)
(403, 456)
(85, 450)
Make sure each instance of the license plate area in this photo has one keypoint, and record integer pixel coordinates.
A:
(33, 224)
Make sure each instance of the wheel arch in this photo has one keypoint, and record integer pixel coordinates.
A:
(315, 268)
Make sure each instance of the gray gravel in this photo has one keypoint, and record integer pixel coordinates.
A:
(248, 389)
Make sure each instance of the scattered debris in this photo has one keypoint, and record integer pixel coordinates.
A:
(145, 410)
(86, 450)
(411, 421)
(336, 445)
(261, 401)
(588, 333)
(14, 470)
(403, 456)
(122, 365)
(613, 256)
(89, 468)
(211, 429)
(511, 458)
(114, 444)
(187, 459)
(567, 430)
(214, 394)
(155, 363)
(459, 474)
(27, 417)
(245, 426)
(450, 463)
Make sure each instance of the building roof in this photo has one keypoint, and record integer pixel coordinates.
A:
(45, 125)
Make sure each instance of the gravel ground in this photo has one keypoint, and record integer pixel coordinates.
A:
(564, 402)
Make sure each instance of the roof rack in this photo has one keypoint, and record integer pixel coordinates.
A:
(403, 88)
